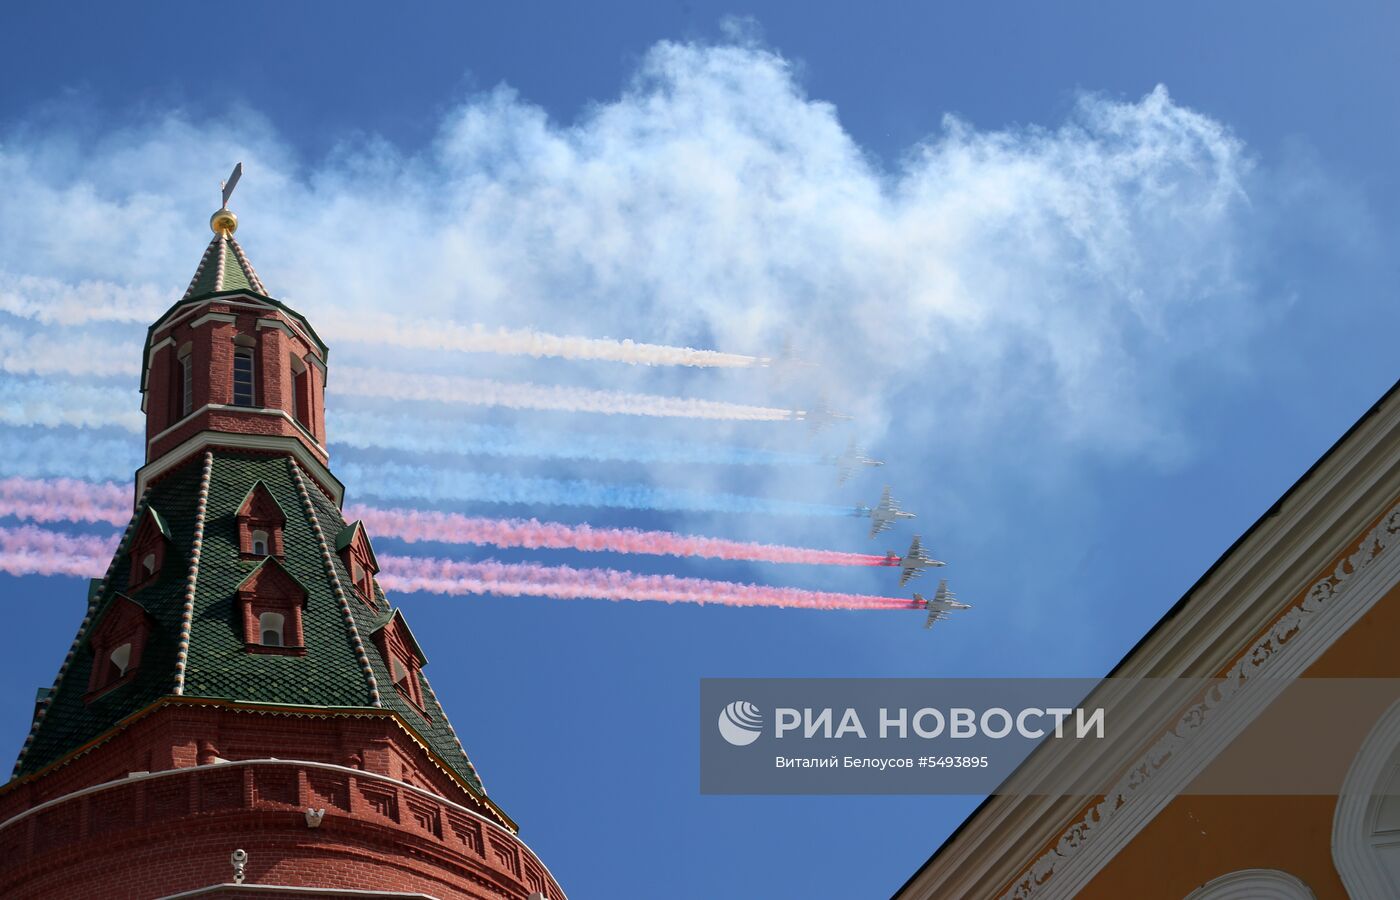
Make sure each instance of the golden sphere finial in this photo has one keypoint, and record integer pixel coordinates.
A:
(224, 222)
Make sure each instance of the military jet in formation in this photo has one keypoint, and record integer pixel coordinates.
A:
(854, 457)
(884, 515)
(822, 417)
(941, 606)
(914, 562)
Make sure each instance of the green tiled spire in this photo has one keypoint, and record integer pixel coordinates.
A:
(341, 668)
(224, 267)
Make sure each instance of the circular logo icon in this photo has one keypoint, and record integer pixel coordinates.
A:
(740, 723)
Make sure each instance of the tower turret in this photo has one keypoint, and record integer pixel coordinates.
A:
(239, 679)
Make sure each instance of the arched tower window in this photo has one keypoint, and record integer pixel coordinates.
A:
(270, 628)
(301, 392)
(259, 542)
(270, 602)
(148, 547)
(183, 401)
(120, 660)
(244, 371)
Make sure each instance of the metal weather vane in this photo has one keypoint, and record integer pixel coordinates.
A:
(224, 222)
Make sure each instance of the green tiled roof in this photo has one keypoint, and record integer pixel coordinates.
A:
(218, 665)
(223, 267)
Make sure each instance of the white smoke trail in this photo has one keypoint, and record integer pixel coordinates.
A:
(81, 354)
(37, 452)
(52, 404)
(418, 435)
(393, 480)
(55, 302)
(561, 398)
(477, 338)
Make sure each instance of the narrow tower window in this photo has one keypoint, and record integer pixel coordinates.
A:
(243, 377)
(259, 541)
(301, 393)
(270, 627)
(186, 385)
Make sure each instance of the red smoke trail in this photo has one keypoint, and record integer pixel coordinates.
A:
(28, 550)
(453, 528)
(443, 576)
(65, 500)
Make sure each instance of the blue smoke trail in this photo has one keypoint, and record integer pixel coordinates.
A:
(365, 431)
(421, 482)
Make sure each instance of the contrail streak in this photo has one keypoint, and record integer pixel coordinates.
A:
(38, 452)
(422, 482)
(80, 354)
(442, 335)
(52, 301)
(414, 434)
(558, 398)
(52, 404)
(28, 550)
(65, 500)
(442, 576)
(453, 528)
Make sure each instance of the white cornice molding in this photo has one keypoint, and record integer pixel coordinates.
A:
(254, 410)
(1226, 610)
(275, 443)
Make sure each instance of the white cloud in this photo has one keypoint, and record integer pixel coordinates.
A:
(1055, 277)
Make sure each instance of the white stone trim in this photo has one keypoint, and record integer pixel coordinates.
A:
(274, 889)
(192, 579)
(1361, 873)
(255, 410)
(1254, 884)
(1294, 642)
(276, 443)
(224, 318)
(279, 325)
(340, 595)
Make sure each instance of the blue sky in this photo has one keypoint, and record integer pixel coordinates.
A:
(1095, 326)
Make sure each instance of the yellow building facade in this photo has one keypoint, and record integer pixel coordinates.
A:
(1308, 598)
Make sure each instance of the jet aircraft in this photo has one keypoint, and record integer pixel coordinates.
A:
(941, 606)
(853, 458)
(884, 515)
(915, 561)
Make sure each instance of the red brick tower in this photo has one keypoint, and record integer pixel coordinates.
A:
(239, 681)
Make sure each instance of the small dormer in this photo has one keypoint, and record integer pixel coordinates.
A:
(148, 546)
(270, 603)
(117, 641)
(403, 657)
(260, 524)
(358, 555)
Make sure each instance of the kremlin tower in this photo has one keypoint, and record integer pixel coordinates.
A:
(243, 712)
